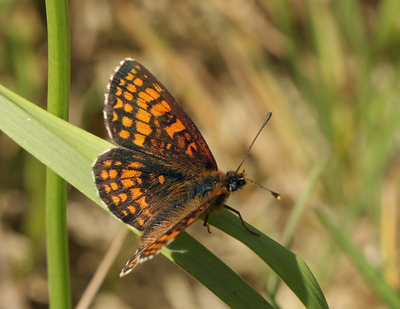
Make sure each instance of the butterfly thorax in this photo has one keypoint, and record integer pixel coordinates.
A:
(215, 186)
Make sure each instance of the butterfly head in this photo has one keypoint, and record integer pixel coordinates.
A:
(235, 180)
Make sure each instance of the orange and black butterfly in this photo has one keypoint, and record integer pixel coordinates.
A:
(164, 176)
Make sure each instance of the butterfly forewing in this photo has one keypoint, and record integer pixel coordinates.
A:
(141, 113)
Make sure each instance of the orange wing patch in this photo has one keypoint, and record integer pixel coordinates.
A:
(176, 127)
(139, 140)
(131, 88)
(138, 82)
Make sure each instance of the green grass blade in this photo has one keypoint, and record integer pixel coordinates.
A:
(288, 266)
(200, 263)
(59, 73)
(65, 148)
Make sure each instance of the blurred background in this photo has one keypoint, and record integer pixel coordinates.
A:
(329, 71)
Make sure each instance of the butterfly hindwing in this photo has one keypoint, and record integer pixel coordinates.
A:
(135, 186)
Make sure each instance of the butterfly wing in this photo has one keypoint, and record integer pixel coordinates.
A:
(136, 187)
(141, 114)
(151, 182)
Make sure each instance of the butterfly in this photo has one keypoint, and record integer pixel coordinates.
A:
(163, 176)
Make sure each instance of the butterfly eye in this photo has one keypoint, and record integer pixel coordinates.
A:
(235, 184)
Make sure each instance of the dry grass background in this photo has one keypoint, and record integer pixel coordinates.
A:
(329, 71)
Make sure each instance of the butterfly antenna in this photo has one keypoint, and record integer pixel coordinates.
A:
(274, 194)
(251, 145)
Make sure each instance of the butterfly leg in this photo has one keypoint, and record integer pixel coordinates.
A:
(241, 219)
(205, 224)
